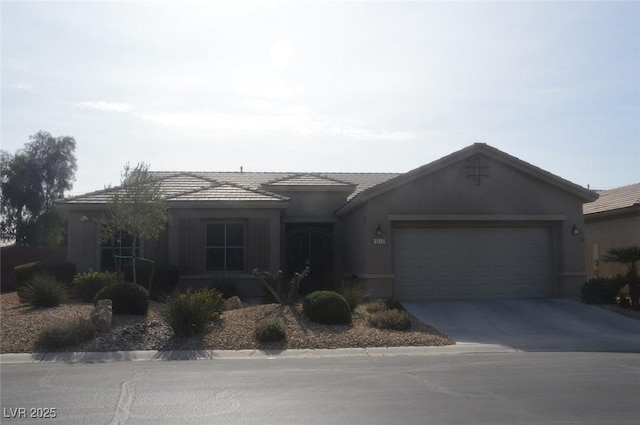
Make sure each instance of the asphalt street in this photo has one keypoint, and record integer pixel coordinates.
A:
(482, 388)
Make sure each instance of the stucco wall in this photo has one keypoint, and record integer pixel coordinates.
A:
(270, 233)
(448, 191)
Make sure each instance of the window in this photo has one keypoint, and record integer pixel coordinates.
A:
(225, 247)
(112, 252)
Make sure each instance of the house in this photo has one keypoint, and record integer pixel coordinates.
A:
(612, 221)
(476, 223)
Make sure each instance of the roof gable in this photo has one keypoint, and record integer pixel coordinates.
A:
(462, 155)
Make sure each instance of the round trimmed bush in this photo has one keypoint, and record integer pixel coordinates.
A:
(86, 285)
(327, 307)
(126, 298)
(270, 330)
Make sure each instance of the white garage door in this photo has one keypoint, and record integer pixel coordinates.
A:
(457, 263)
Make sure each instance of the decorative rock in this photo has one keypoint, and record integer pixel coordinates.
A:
(101, 315)
(233, 303)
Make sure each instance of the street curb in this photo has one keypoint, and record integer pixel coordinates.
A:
(134, 356)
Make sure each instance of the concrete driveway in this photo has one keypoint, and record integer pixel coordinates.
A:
(531, 324)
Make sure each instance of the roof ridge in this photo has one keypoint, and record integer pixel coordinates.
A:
(250, 189)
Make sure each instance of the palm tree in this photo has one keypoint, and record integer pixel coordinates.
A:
(629, 256)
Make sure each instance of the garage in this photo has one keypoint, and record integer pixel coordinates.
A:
(471, 262)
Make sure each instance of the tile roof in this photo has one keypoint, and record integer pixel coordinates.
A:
(614, 199)
(307, 179)
(239, 186)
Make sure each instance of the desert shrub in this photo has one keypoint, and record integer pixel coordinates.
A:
(42, 290)
(382, 305)
(165, 277)
(126, 298)
(390, 319)
(277, 288)
(64, 334)
(376, 307)
(62, 271)
(326, 307)
(270, 330)
(188, 314)
(353, 293)
(602, 290)
(85, 286)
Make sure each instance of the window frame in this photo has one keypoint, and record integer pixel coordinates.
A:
(107, 250)
(225, 247)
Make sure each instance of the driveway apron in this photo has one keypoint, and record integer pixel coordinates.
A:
(531, 324)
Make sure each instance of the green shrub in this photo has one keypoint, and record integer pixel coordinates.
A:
(62, 271)
(64, 334)
(165, 277)
(353, 293)
(390, 319)
(270, 330)
(188, 314)
(42, 291)
(126, 298)
(86, 285)
(602, 290)
(326, 307)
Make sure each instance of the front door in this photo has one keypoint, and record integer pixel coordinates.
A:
(310, 245)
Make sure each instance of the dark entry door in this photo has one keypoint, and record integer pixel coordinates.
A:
(310, 245)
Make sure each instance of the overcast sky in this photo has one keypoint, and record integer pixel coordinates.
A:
(325, 86)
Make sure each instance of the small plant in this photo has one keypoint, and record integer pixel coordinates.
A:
(353, 293)
(126, 298)
(188, 314)
(65, 334)
(270, 330)
(390, 319)
(326, 307)
(42, 291)
(602, 290)
(85, 286)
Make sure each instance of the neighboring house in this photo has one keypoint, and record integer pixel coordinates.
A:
(612, 221)
(476, 223)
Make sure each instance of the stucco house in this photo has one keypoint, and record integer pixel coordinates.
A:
(476, 223)
(612, 221)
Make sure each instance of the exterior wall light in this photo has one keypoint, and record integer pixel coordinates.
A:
(379, 231)
(575, 230)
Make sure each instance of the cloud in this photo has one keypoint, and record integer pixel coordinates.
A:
(25, 87)
(106, 106)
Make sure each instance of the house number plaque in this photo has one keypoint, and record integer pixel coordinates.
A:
(379, 241)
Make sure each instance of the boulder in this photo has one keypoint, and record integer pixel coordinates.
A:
(101, 315)
(233, 303)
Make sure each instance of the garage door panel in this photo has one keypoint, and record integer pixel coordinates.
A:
(440, 263)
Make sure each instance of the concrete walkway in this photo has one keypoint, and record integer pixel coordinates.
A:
(531, 324)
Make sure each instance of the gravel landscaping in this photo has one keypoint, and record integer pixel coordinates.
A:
(20, 325)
